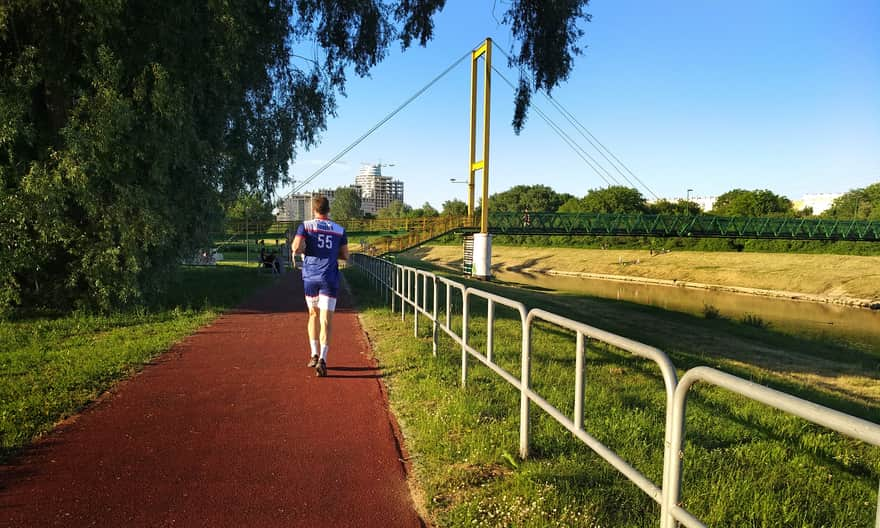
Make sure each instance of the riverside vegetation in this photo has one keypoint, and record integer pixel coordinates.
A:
(745, 464)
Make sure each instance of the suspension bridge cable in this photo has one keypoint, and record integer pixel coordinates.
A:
(578, 126)
(375, 127)
(571, 121)
(583, 154)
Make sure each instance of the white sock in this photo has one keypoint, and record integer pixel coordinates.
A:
(324, 349)
(314, 345)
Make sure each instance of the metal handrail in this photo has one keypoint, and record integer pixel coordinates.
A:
(670, 380)
(395, 278)
(842, 423)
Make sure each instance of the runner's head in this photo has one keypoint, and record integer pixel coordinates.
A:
(320, 205)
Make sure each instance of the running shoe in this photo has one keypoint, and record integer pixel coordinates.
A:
(321, 369)
(313, 362)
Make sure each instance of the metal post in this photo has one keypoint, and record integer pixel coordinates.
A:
(448, 306)
(435, 335)
(464, 338)
(404, 294)
(524, 386)
(416, 277)
(579, 383)
(490, 329)
(394, 282)
(673, 454)
(877, 523)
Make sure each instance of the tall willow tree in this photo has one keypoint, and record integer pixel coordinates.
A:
(126, 125)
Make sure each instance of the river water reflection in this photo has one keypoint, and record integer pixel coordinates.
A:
(857, 326)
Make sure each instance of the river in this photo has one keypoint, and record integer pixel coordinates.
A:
(859, 327)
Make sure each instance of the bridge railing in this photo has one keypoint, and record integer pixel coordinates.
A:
(667, 225)
(413, 289)
(420, 230)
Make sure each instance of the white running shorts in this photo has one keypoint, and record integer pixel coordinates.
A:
(322, 302)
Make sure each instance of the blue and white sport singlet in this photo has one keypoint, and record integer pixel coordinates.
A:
(323, 240)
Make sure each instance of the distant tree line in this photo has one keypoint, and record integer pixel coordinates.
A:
(861, 204)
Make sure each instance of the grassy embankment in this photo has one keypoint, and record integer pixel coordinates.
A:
(828, 275)
(745, 465)
(50, 367)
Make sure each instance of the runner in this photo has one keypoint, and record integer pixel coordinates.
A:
(321, 242)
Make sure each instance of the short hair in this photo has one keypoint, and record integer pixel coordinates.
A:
(321, 205)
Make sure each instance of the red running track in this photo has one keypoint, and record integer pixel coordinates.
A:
(228, 428)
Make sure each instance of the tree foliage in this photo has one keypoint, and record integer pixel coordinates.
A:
(126, 126)
(454, 207)
(613, 199)
(531, 197)
(251, 208)
(857, 204)
(346, 204)
(547, 35)
(739, 202)
(425, 210)
(680, 207)
(395, 209)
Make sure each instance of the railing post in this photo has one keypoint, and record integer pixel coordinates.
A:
(435, 335)
(490, 329)
(524, 386)
(579, 383)
(448, 306)
(404, 294)
(877, 523)
(675, 451)
(384, 268)
(393, 271)
(464, 338)
(416, 278)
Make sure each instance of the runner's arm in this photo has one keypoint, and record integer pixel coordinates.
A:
(299, 245)
(343, 252)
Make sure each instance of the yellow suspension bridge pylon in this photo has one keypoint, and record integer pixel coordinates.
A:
(482, 254)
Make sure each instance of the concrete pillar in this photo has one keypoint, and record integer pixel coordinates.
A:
(482, 266)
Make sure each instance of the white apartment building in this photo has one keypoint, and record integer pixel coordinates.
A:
(818, 201)
(298, 207)
(376, 192)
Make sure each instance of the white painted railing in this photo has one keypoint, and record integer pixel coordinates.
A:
(410, 286)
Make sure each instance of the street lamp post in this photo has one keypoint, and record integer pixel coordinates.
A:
(687, 201)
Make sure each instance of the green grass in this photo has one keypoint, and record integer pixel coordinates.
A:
(744, 464)
(52, 366)
(829, 371)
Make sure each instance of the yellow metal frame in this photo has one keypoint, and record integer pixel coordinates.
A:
(484, 50)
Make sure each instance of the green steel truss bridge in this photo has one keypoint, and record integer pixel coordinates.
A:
(699, 226)
(391, 235)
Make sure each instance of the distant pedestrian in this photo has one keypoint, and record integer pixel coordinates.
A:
(526, 218)
(322, 243)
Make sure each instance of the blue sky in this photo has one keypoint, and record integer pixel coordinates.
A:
(709, 96)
